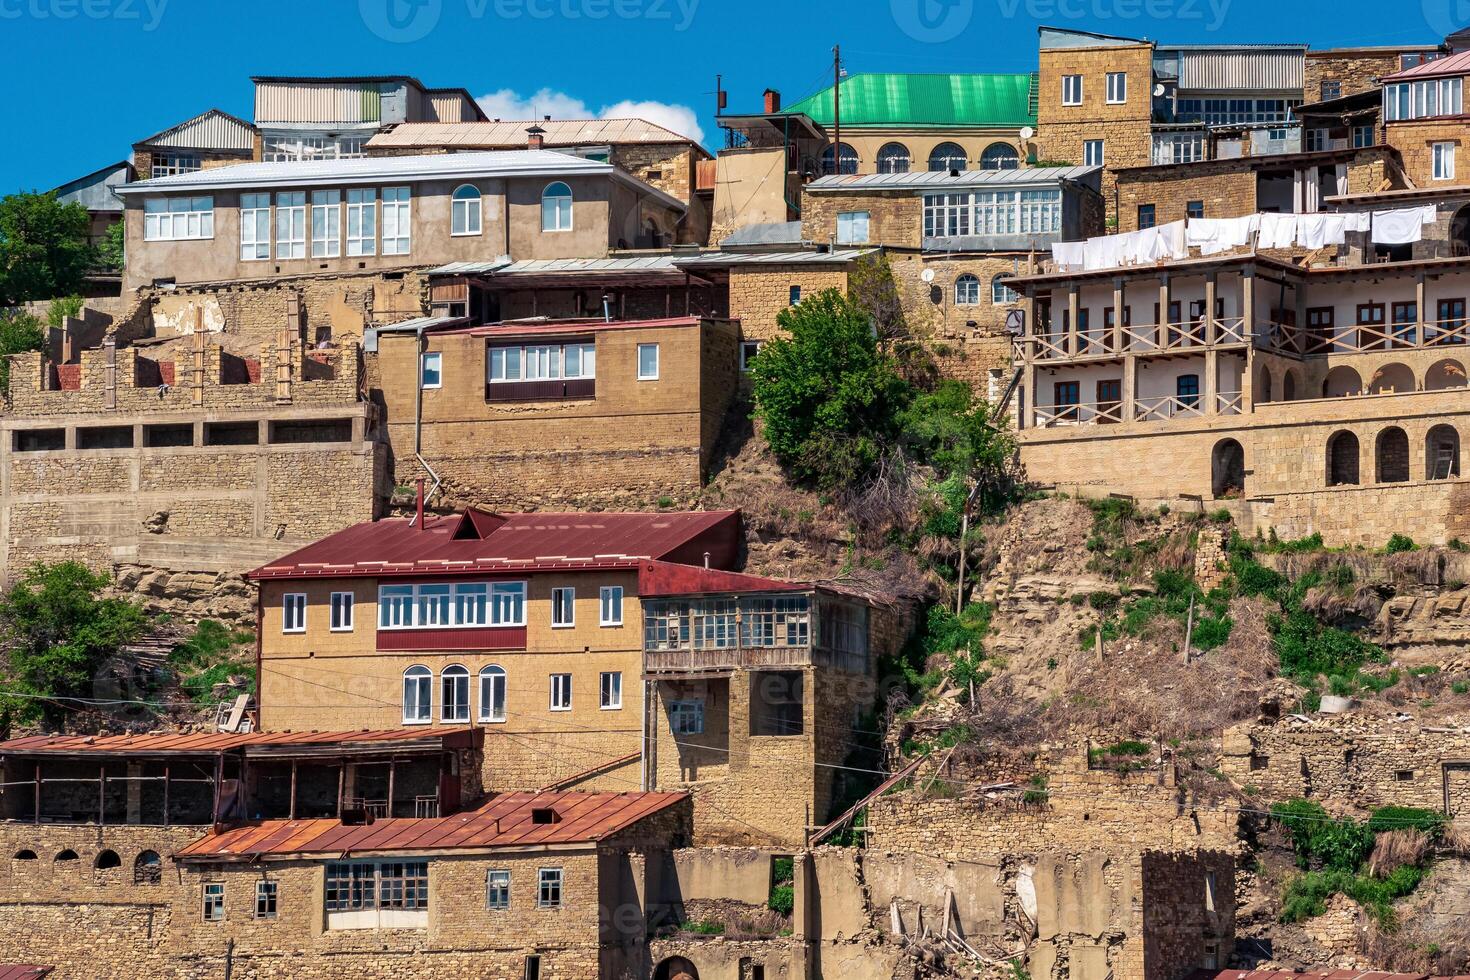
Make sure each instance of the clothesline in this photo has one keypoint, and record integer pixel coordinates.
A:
(1214, 236)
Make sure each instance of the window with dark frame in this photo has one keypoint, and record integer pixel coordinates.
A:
(1194, 209)
(1187, 389)
(497, 889)
(548, 888)
(265, 899)
(214, 902)
(1373, 316)
(1067, 396)
(1405, 318)
(1147, 216)
(1109, 400)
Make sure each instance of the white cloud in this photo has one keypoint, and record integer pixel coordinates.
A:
(508, 104)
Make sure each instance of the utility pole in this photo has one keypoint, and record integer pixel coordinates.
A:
(837, 108)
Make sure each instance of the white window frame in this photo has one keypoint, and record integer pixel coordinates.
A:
(967, 290)
(173, 164)
(1071, 90)
(362, 221)
(212, 901)
(494, 674)
(293, 612)
(422, 679)
(1443, 160)
(550, 878)
(397, 223)
(343, 605)
(326, 224)
(686, 717)
(497, 889)
(656, 366)
(1363, 136)
(1117, 88)
(610, 690)
(466, 214)
(998, 298)
(610, 599)
(1094, 153)
(268, 891)
(749, 349)
(455, 711)
(853, 227)
(291, 225)
(471, 605)
(561, 684)
(178, 219)
(561, 217)
(436, 358)
(255, 227)
(987, 213)
(563, 607)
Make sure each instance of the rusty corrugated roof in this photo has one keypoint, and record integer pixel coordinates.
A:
(1310, 975)
(661, 578)
(481, 543)
(211, 743)
(508, 820)
(23, 972)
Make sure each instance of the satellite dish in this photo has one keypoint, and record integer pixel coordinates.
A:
(927, 275)
(1027, 132)
(1159, 90)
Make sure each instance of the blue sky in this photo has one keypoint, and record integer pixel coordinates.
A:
(110, 72)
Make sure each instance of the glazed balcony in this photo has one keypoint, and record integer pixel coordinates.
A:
(716, 635)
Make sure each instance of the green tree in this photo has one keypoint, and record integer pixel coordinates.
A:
(19, 333)
(110, 251)
(955, 431)
(828, 397)
(44, 250)
(59, 630)
(63, 307)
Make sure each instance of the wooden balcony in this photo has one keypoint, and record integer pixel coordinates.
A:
(1111, 344)
(729, 659)
(1299, 342)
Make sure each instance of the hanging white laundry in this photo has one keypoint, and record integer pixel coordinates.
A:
(1320, 230)
(1359, 221)
(1402, 226)
(1068, 255)
(1204, 233)
(1278, 231)
(1171, 242)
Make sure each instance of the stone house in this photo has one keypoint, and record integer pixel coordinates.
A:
(1423, 115)
(211, 139)
(662, 158)
(265, 221)
(557, 414)
(1326, 399)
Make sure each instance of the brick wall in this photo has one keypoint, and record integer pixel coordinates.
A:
(1415, 141)
(895, 219)
(1227, 188)
(670, 168)
(1354, 72)
(758, 294)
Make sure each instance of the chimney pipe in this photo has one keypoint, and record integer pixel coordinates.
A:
(535, 138)
(706, 559)
(773, 101)
(419, 509)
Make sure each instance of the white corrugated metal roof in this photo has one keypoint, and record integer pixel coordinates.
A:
(770, 233)
(642, 263)
(927, 180)
(377, 170)
(469, 268)
(773, 258)
(1264, 70)
(211, 130)
(512, 133)
(370, 170)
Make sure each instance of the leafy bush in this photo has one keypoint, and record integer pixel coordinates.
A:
(1308, 649)
(20, 333)
(1399, 543)
(203, 660)
(63, 307)
(1387, 818)
(1306, 895)
(782, 900)
(1320, 841)
(704, 928)
(44, 248)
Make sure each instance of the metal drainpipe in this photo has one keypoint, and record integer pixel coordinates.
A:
(418, 415)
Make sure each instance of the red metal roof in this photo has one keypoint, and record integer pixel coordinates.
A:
(23, 972)
(481, 543)
(509, 330)
(661, 578)
(1455, 64)
(211, 743)
(504, 821)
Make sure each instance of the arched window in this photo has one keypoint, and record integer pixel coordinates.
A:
(454, 694)
(1442, 453)
(1444, 375)
(1000, 293)
(147, 869)
(465, 219)
(1228, 469)
(556, 207)
(492, 693)
(1342, 460)
(967, 290)
(1263, 387)
(894, 158)
(1342, 382)
(418, 693)
(1392, 456)
(849, 161)
(948, 156)
(25, 854)
(107, 860)
(1395, 378)
(1288, 387)
(1000, 156)
(66, 856)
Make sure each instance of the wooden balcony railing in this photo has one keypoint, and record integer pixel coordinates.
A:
(1296, 341)
(1135, 338)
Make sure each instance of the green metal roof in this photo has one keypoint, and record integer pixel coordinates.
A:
(926, 101)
